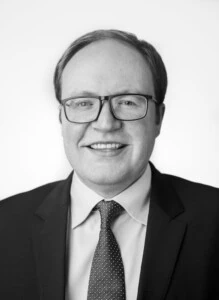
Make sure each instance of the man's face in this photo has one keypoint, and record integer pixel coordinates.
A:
(105, 68)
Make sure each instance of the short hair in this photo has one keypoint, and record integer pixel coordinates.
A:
(150, 54)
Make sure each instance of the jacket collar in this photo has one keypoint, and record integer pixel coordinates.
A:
(49, 229)
(165, 232)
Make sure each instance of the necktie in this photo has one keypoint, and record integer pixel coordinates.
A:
(107, 272)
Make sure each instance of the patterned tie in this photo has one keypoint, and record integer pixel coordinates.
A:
(107, 280)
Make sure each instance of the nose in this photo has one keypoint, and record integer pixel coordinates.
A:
(106, 120)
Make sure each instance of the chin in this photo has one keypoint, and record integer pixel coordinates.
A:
(104, 177)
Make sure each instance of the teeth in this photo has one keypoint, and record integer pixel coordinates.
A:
(106, 146)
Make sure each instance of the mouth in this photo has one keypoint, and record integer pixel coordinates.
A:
(106, 146)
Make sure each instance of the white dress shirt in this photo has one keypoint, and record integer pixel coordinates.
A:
(129, 230)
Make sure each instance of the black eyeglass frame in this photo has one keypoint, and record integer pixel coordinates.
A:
(108, 98)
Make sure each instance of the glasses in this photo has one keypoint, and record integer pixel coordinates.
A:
(125, 107)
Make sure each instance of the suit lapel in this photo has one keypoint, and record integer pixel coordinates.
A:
(165, 232)
(49, 241)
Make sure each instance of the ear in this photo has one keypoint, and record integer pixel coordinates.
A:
(160, 110)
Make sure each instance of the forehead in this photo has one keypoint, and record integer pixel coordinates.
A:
(107, 62)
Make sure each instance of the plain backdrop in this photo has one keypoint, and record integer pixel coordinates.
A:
(34, 35)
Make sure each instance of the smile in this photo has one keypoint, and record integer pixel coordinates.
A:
(106, 146)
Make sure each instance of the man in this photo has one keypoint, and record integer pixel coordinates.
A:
(116, 228)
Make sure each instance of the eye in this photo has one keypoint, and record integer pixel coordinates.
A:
(130, 101)
(80, 103)
(83, 102)
(127, 103)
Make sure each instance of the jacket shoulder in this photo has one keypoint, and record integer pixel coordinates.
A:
(197, 198)
(27, 200)
(187, 186)
(183, 187)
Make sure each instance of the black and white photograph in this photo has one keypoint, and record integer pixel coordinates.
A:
(109, 150)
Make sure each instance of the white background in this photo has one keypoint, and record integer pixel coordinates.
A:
(34, 34)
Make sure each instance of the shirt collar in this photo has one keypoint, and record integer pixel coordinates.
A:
(134, 199)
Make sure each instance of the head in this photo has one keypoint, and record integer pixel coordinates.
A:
(110, 154)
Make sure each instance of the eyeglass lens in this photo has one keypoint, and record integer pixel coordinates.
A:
(124, 107)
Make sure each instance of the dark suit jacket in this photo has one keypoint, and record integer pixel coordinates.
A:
(181, 255)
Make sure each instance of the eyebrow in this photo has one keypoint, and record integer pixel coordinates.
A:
(83, 93)
(92, 94)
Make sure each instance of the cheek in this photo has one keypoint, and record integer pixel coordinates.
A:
(71, 135)
(67, 134)
(143, 138)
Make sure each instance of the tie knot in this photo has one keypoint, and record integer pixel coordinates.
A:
(109, 210)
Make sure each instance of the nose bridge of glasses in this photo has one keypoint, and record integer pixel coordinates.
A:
(102, 100)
